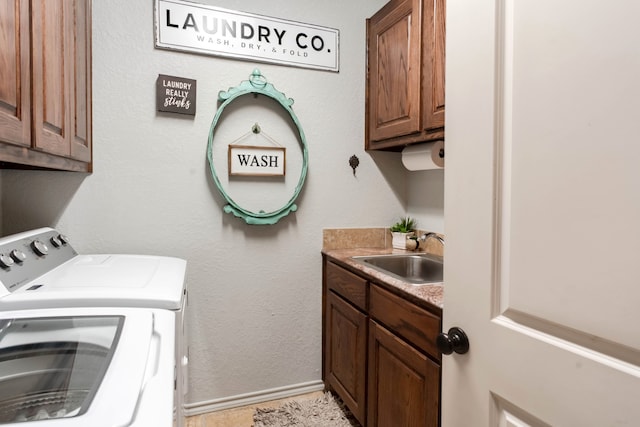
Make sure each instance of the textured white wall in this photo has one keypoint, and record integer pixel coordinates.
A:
(425, 199)
(255, 318)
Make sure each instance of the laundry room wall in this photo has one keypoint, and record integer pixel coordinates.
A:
(425, 199)
(255, 291)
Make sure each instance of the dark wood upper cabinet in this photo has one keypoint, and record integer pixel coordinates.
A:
(405, 74)
(433, 62)
(15, 65)
(48, 58)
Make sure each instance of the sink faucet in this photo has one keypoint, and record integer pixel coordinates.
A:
(426, 236)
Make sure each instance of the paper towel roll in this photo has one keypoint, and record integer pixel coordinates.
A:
(419, 157)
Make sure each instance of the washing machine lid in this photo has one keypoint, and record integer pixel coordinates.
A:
(40, 269)
(85, 366)
(105, 280)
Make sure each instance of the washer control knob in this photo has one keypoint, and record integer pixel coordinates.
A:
(40, 248)
(56, 242)
(18, 256)
(5, 261)
(63, 239)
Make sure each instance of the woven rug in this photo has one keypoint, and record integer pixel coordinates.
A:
(325, 411)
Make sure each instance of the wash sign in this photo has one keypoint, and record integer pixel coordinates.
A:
(193, 27)
(256, 161)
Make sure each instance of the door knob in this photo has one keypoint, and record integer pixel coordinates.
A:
(454, 340)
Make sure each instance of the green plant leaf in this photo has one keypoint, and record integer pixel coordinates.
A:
(404, 225)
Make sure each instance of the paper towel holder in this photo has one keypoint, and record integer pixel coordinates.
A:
(424, 156)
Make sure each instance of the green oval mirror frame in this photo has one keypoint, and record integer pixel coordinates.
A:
(257, 84)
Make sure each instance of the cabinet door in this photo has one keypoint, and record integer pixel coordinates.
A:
(51, 75)
(433, 58)
(15, 105)
(346, 353)
(81, 83)
(394, 56)
(404, 384)
(62, 77)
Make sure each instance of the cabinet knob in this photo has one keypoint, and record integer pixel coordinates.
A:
(454, 340)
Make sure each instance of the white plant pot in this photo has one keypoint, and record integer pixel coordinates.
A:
(399, 240)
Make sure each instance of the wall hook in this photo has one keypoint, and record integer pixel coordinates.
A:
(354, 162)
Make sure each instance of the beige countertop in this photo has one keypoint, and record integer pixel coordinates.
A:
(431, 293)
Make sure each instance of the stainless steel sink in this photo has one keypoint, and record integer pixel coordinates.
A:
(413, 268)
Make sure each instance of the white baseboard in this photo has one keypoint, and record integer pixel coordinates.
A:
(197, 408)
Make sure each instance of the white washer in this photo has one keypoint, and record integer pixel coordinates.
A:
(59, 299)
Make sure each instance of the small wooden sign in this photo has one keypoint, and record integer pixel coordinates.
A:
(176, 95)
(246, 160)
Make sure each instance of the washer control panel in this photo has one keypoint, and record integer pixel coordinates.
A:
(27, 256)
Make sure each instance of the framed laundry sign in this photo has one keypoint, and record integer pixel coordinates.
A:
(200, 28)
(256, 161)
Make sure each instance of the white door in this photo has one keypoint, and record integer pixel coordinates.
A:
(542, 210)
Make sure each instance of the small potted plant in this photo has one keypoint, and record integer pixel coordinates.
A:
(401, 231)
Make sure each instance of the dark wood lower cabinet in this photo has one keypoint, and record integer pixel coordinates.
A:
(379, 352)
(346, 355)
(404, 384)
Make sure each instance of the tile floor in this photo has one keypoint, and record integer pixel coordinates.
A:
(240, 417)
